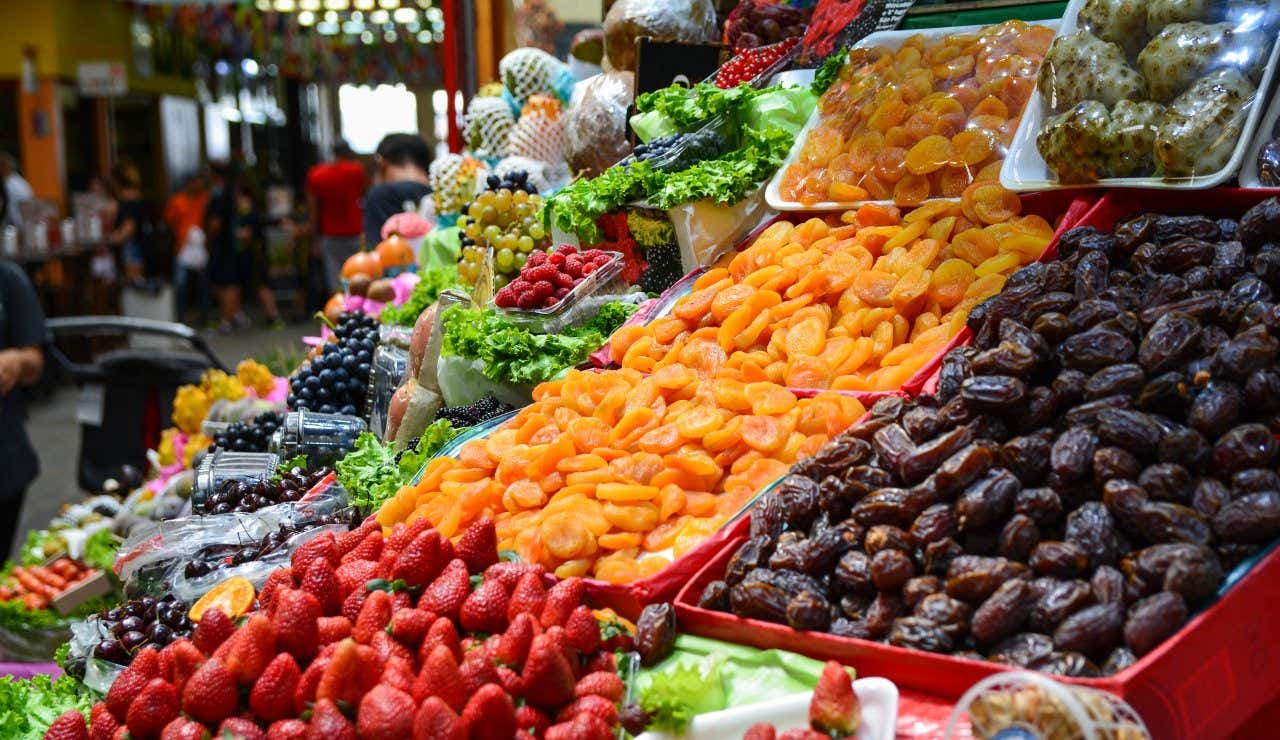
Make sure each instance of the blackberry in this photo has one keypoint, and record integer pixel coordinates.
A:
(472, 414)
(664, 268)
(249, 436)
(336, 380)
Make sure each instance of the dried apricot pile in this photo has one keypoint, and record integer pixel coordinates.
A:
(922, 121)
(861, 305)
(604, 467)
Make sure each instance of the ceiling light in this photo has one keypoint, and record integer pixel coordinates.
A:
(378, 17)
(424, 37)
(364, 4)
(336, 4)
(306, 18)
(405, 15)
(389, 37)
(311, 5)
(389, 4)
(367, 37)
(263, 5)
(284, 6)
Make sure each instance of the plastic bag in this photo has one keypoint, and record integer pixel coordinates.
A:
(390, 364)
(1160, 88)
(256, 571)
(463, 382)
(787, 108)
(32, 645)
(595, 128)
(660, 20)
(705, 229)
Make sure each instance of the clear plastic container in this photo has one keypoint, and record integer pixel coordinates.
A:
(323, 438)
(580, 304)
(222, 465)
(390, 365)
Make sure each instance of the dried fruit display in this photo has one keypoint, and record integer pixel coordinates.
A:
(859, 306)
(1081, 480)
(606, 467)
(922, 121)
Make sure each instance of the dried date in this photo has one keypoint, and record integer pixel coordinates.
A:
(1043, 505)
(1161, 521)
(1167, 482)
(913, 466)
(1027, 457)
(1245, 446)
(920, 634)
(1095, 349)
(752, 554)
(715, 597)
(1114, 462)
(880, 615)
(890, 569)
(1209, 497)
(987, 500)
(1254, 517)
(934, 523)
(655, 633)
(1018, 537)
(963, 467)
(886, 537)
(1022, 649)
(992, 392)
(1093, 631)
(950, 614)
(809, 610)
(973, 578)
(1003, 613)
(853, 573)
(1153, 620)
(1092, 529)
(1060, 600)
(1072, 453)
(1060, 559)
(1007, 358)
(1255, 480)
(1135, 431)
(916, 589)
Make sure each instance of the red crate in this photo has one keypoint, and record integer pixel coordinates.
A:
(1204, 682)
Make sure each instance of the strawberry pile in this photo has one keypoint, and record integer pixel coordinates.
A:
(413, 636)
(834, 711)
(747, 64)
(546, 278)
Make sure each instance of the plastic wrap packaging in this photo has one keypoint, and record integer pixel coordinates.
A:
(595, 128)
(462, 382)
(1159, 89)
(323, 438)
(755, 23)
(539, 134)
(706, 229)
(390, 366)
(660, 20)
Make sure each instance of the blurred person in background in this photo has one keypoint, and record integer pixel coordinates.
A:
(185, 215)
(333, 205)
(131, 230)
(22, 340)
(254, 264)
(222, 232)
(403, 161)
(14, 191)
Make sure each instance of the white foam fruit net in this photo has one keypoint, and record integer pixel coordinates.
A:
(453, 180)
(539, 134)
(487, 126)
(528, 72)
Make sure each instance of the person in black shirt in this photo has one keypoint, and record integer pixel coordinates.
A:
(22, 340)
(222, 232)
(402, 161)
(131, 229)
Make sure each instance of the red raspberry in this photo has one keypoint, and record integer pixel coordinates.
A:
(589, 268)
(556, 259)
(519, 285)
(506, 298)
(566, 249)
(591, 254)
(527, 300)
(540, 272)
(601, 259)
(573, 266)
(542, 290)
(561, 292)
(563, 280)
(550, 301)
(535, 259)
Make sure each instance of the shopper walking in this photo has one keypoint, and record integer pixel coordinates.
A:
(131, 232)
(333, 204)
(14, 191)
(255, 266)
(184, 213)
(222, 237)
(403, 161)
(22, 340)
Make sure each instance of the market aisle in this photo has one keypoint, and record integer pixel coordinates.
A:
(55, 432)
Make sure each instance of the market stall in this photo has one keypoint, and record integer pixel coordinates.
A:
(928, 390)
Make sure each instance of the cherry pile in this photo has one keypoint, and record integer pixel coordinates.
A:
(245, 496)
(217, 557)
(336, 380)
(546, 278)
(747, 64)
(141, 623)
(249, 436)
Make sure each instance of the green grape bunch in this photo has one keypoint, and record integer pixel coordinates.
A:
(504, 217)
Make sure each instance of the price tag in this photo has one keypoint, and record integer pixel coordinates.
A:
(89, 406)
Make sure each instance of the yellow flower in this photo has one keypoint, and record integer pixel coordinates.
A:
(190, 407)
(255, 375)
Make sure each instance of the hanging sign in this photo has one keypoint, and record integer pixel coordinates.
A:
(102, 79)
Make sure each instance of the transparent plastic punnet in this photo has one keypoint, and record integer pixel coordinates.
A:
(581, 303)
(1143, 94)
(323, 438)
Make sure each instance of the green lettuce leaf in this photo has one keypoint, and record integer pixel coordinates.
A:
(828, 72)
(100, 549)
(681, 694)
(28, 707)
(373, 471)
(431, 283)
(689, 108)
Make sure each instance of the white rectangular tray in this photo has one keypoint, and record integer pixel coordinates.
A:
(889, 40)
(1249, 168)
(1024, 169)
(878, 697)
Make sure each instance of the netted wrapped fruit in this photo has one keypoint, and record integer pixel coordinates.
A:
(487, 126)
(1122, 22)
(1202, 127)
(1183, 52)
(453, 181)
(1080, 66)
(539, 134)
(595, 128)
(529, 71)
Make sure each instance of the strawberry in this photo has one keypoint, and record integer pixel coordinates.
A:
(400, 600)
(509, 680)
(182, 728)
(528, 596)
(239, 728)
(345, 542)
(282, 578)
(448, 591)
(562, 599)
(327, 723)
(421, 561)
(153, 708)
(68, 726)
(374, 616)
(602, 661)
(145, 666)
(601, 683)
(165, 662)
(510, 573)
(296, 623)
(210, 695)
(485, 610)
(385, 714)
(320, 547)
(409, 625)
(252, 648)
(370, 548)
(548, 677)
(398, 672)
(513, 645)
(834, 708)
(490, 713)
(532, 720)
(402, 535)
(582, 631)
(321, 580)
(102, 725)
(583, 727)
(478, 545)
(122, 733)
(557, 637)
(477, 670)
(273, 695)
(803, 734)
(352, 672)
(435, 720)
(354, 574)
(386, 563)
(387, 647)
(332, 629)
(442, 632)
(310, 681)
(287, 729)
(590, 704)
(440, 677)
(184, 658)
(213, 630)
(761, 731)
(353, 603)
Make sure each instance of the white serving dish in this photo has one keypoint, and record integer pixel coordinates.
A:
(1024, 169)
(878, 697)
(889, 40)
(1249, 168)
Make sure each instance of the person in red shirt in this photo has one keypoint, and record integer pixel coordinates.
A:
(333, 202)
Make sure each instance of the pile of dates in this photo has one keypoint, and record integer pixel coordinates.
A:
(1081, 481)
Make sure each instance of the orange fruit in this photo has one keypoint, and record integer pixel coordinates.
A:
(232, 597)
